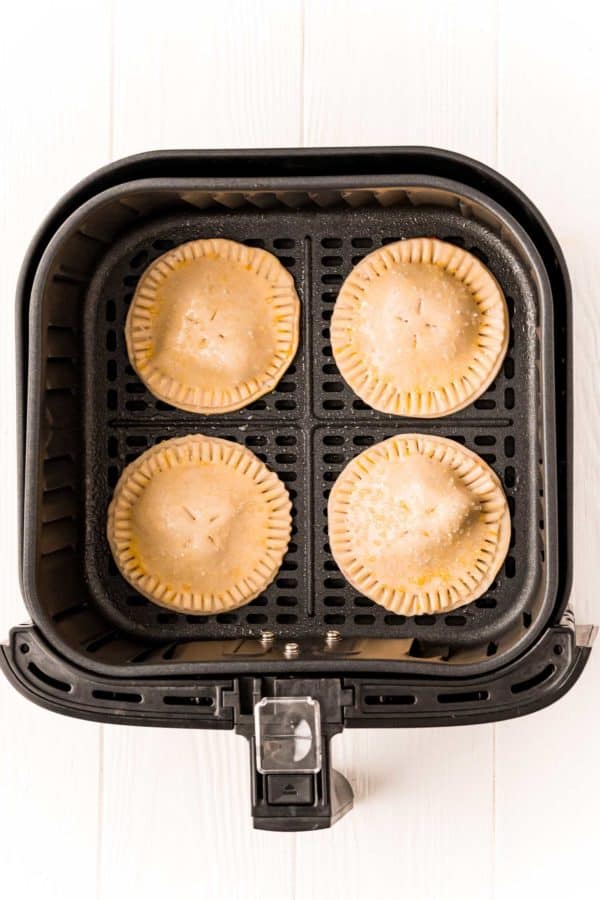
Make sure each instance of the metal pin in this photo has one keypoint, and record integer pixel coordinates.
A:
(267, 638)
(291, 649)
(332, 637)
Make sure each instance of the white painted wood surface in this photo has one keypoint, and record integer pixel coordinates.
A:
(504, 811)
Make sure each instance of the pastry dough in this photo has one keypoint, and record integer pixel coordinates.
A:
(199, 524)
(213, 325)
(419, 524)
(420, 328)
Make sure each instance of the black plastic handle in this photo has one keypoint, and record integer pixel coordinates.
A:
(298, 801)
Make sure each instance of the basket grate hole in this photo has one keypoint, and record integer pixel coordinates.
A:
(393, 619)
(284, 458)
(331, 261)
(289, 583)
(139, 259)
(163, 244)
(486, 603)
(334, 583)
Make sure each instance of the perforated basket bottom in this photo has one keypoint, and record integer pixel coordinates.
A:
(311, 426)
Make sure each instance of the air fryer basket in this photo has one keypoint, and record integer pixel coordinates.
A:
(86, 414)
(95, 415)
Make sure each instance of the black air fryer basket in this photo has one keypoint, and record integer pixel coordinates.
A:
(309, 656)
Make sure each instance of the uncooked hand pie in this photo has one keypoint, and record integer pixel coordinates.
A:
(199, 524)
(213, 325)
(420, 328)
(419, 524)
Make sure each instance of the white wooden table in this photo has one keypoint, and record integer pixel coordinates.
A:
(504, 811)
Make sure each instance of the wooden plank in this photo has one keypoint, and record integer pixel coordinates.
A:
(54, 106)
(389, 73)
(228, 75)
(176, 819)
(176, 813)
(548, 143)
(49, 790)
(422, 822)
(55, 132)
(549, 134)
(400, 73)
(547, 796)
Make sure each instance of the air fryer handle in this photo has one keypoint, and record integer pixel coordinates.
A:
(292, 801)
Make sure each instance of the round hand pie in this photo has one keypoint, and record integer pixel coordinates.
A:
(420, 328)
(419, 524)
(199, 524)
(213, 325)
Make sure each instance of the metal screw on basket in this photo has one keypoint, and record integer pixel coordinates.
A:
(332, 637)
(291, 649)
(267, 638)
